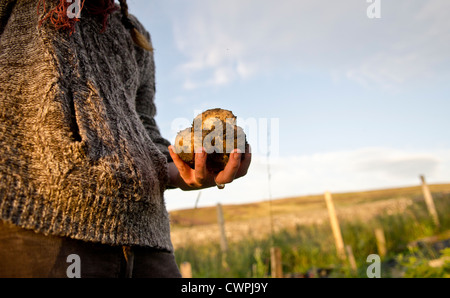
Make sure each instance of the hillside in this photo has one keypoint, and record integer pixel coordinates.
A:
(258, 219)
(208, 215)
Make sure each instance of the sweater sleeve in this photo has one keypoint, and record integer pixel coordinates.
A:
(145, 104)
(75, 158)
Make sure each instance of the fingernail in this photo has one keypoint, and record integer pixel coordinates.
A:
(237, 154)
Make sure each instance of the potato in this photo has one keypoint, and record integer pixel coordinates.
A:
(217, 132)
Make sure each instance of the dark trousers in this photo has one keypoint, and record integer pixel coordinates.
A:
(24, 253)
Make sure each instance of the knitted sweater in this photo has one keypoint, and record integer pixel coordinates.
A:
(80, 153)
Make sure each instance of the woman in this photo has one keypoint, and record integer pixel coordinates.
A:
(83, 166)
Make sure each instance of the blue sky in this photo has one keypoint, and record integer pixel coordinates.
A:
(360, 103)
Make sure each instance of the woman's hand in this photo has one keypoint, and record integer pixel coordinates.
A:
(182, 176)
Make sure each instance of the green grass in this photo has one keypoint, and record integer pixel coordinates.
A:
(312, 246)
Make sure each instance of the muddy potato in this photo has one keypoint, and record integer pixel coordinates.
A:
(217, 132)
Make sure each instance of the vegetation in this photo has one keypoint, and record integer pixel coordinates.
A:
(309, 247)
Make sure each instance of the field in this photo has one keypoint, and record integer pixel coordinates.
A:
(300, 227)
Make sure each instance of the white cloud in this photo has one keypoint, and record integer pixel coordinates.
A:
(224, 41)
(413, 47)
(361, 169)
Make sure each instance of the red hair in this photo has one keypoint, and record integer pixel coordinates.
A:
(58, 16)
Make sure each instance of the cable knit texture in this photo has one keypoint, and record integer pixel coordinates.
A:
(80, 152)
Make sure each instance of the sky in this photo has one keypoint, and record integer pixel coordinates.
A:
(334, 96)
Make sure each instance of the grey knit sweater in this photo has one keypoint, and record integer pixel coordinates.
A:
(80, 153)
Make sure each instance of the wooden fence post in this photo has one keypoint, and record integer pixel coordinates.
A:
(223, 236)
(335, 227)
(221, 222)
(275, 262)
(429, 201)
(351, 258)
(186, 270)
(381, 242)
